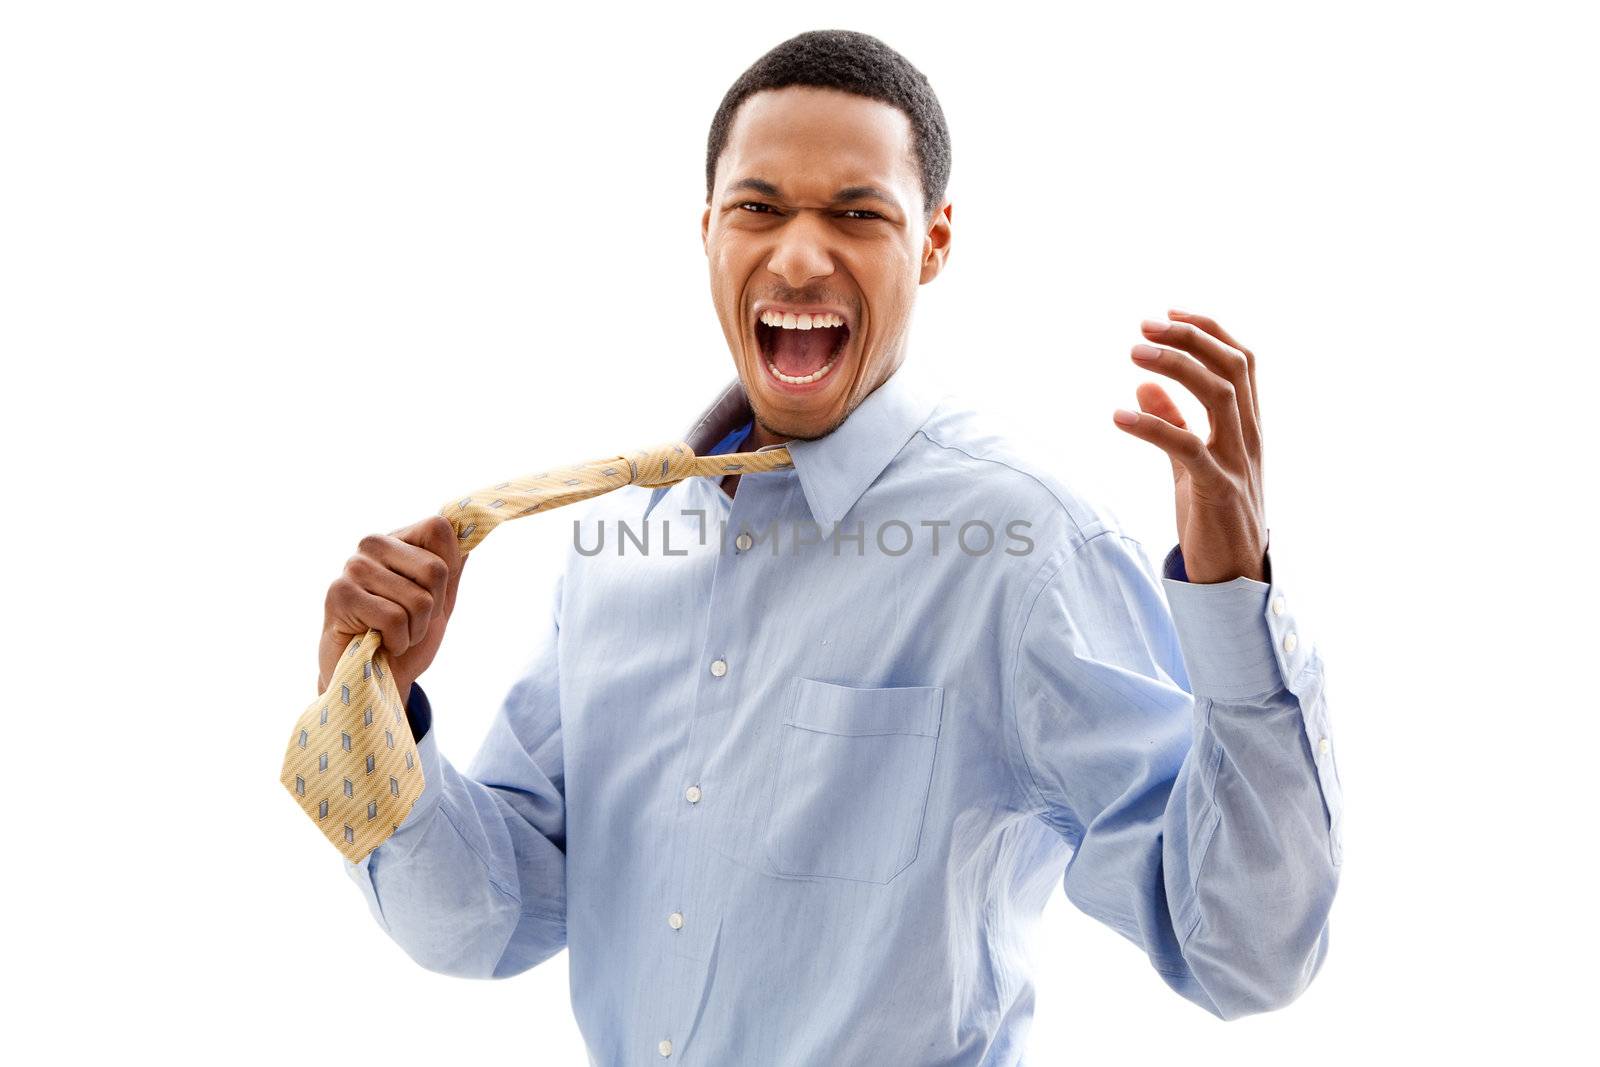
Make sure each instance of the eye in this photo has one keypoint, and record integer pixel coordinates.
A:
(863, 211)
(752, 203)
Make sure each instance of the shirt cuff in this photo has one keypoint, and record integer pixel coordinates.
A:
(1238, 639)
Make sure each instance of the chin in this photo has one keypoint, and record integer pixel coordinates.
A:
(798, 413)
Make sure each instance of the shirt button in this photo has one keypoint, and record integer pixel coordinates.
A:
(1323, 746)
(665, 1048)
(1290, 642)
(675, 920)
(743, 542)
(692, 794)
(1277, 605)
(720, 667)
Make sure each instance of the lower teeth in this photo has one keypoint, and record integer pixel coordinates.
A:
(804, 380)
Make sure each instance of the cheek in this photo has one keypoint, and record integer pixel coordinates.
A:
(725, 282)
(729, 262)
(891, 269)
(728, 277)
(893, 285)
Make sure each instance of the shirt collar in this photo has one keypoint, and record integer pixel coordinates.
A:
(836, 469)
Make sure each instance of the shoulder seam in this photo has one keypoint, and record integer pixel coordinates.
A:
(1014, 469)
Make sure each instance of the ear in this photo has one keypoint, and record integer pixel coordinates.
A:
(936, 245)
(705, 229)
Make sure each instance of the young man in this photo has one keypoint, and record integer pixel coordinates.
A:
(788, 783)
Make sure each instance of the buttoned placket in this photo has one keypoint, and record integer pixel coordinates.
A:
(683, 919)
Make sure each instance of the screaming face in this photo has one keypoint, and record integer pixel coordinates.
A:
(816, 245)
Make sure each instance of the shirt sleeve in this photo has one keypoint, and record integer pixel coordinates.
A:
(1184, 754)
(473, 883)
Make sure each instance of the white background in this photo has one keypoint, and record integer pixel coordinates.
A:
(257, 260)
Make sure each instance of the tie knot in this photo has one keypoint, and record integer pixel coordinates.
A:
(662, 465)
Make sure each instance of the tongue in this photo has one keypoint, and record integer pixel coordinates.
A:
(798, 353)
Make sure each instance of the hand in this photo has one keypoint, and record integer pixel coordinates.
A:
(401, 584)
(1222, 524)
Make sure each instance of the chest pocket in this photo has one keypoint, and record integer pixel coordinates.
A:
(851, 780)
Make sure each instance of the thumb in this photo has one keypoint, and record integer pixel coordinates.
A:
(455, 581)
(1154, 400)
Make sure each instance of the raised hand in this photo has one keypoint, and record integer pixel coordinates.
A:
(1222, 524)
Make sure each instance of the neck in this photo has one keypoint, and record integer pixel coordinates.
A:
(760, 437)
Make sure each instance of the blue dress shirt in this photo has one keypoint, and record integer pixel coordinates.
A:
(790, 772)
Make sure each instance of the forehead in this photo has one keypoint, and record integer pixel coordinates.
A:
(811, 141)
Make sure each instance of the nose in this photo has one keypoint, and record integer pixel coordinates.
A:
(802, 252)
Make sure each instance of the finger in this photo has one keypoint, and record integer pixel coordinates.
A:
(437, 535)
(1226, 361)
(1217, 394)
(422, 565)
(1181, 446)
(1211, 326)
(365, 611)
(417, 601)
(1208, 324)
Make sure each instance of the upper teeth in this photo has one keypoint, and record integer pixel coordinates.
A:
(788, 320)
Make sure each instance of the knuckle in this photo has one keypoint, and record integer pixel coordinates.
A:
(438, 530)
(372, 543)
(438, 571)
(394, 618)
(361, 568)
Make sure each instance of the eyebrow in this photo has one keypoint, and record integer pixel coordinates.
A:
(848, 193)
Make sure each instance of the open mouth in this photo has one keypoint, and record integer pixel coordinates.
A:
(800, 350)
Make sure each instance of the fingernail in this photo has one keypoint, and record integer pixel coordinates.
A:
(1125, 418)
(1146, 353)
(1178, 311)
(1155, 327)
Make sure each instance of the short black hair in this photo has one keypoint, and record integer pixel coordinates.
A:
(856, 63)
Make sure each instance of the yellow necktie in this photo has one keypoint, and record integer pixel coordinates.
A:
(352, 763)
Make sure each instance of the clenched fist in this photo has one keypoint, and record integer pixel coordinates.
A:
(402, 585)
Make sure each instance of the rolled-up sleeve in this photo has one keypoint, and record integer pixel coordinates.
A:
(473, 883)
(1184, 753)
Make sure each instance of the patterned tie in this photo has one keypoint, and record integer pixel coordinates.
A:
(352, 764)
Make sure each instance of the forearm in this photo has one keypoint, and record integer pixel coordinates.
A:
(1252, 877)
(1254, 882)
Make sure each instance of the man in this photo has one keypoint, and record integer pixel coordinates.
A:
(796, 758)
